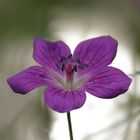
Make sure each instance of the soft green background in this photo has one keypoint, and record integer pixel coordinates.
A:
(22, 20)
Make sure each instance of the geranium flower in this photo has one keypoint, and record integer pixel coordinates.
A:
(68, 77)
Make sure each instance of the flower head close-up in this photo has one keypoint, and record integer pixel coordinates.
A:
(69, 77)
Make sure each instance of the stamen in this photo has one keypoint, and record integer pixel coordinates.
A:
(69, 56)
(74, 69)
(63, 66)
(70, 64)
(78, 61)
(82, 66)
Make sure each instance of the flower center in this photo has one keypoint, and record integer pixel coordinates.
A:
(69, 65)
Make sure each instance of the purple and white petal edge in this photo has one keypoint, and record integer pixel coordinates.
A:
(96, 52)
(64, 100)
(108, 83)
(27, 80)
(48, 53)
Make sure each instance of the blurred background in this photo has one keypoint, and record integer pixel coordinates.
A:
(26, 117)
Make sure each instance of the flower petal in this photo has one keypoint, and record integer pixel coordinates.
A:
(50, 53)
(96, 52)
(64, 100)
(27, 80)
(108, 82)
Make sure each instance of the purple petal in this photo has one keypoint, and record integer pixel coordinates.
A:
(50, 53)
(96, 52)
(27, 80)
(64, 100)
(108, 82)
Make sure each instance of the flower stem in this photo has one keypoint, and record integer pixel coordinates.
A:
(70, 125)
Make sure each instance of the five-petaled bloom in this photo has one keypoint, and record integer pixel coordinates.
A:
(67, 77)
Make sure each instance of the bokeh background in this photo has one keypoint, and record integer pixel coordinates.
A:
(26, 117)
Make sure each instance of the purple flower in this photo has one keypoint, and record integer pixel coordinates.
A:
(67, 77)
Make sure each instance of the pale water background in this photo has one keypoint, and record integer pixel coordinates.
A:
(26, 117)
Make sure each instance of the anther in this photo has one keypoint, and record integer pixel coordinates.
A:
(70, 64)
(82, 66)
(69, 56)
(74, 69)
(63, 66)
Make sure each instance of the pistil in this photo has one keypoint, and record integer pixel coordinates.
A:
(69, 72)
(69, 66)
